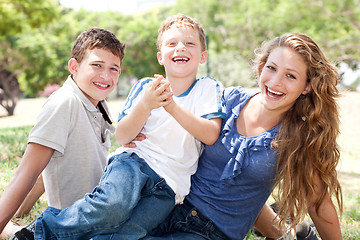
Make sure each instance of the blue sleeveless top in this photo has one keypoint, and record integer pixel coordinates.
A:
(235, 175)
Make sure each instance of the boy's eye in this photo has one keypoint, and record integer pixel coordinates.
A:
(190, 43)
(96, 65)
(114, 69)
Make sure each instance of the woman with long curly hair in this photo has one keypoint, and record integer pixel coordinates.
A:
(282, 140)
(306, 142)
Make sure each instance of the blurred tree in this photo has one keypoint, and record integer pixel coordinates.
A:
(17, 17)
(234, 28)
(47, 50)
(49, 64)
(139, 34)
(242, 25)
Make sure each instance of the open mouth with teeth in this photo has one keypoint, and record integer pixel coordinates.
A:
(101, 85)
(180, 59)
(274, 94)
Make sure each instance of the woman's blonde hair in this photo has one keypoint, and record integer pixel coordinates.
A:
(306, 142)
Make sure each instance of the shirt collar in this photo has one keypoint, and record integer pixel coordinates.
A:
(70, 83)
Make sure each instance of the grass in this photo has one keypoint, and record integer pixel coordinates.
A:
(13, 137)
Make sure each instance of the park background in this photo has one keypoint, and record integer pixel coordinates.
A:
(36, 37)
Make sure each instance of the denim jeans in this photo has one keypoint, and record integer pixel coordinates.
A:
(186, 222)
(131, 199)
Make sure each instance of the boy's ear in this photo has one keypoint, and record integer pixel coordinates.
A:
(204, 55)
(73, 65)
(159, 58)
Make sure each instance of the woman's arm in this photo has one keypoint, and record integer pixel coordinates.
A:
(267, 223)
(325, 219)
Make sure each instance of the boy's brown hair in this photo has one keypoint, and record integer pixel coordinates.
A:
(97, 38)
(181, 20)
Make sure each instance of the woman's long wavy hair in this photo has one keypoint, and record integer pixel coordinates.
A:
(306, 142)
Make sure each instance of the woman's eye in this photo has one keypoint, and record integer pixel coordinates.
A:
(291, 76)
(271, 68)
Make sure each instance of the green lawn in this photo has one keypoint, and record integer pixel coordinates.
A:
(13, 143)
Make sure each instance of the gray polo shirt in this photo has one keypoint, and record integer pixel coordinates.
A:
(71, 125)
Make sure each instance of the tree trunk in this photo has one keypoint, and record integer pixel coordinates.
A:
(9, 91)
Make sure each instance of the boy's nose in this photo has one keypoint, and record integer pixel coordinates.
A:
(105, 74)
(180, 47)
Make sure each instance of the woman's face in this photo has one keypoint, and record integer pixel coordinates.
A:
(283, 79)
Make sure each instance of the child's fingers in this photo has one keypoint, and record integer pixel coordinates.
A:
(158, 75)
(158, 78)
(166, 102)
(165, 96)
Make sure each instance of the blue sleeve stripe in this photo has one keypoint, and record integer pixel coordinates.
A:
(219, 92)
(220, 102)
(214, 115)
(138, 87)
(219, 96)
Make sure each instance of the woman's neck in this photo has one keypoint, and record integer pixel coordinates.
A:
(254, 119)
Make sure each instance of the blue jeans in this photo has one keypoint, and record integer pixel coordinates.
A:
(186, 222)
(131, 199)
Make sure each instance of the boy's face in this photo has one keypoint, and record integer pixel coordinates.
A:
(180, 52)
(97, 74)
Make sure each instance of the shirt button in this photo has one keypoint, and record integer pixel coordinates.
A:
(194, 213)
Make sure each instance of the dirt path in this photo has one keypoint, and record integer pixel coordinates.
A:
(27, 110)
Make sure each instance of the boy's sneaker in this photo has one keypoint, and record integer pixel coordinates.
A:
(26, 233)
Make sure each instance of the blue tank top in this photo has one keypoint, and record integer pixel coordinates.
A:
(235, 175)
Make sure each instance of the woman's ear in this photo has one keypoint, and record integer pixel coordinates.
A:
(307, 89)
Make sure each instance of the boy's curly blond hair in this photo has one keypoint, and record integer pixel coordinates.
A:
(181, 20)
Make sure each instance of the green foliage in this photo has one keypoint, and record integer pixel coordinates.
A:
(139, 36)
(47, 51)
(41, 35)
(228, 67)
(243, 25)
(17, 16)
(350, 234)
(352, 213)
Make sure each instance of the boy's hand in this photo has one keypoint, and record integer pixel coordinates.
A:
(139, 137)
(169, 101)
(157, 94)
